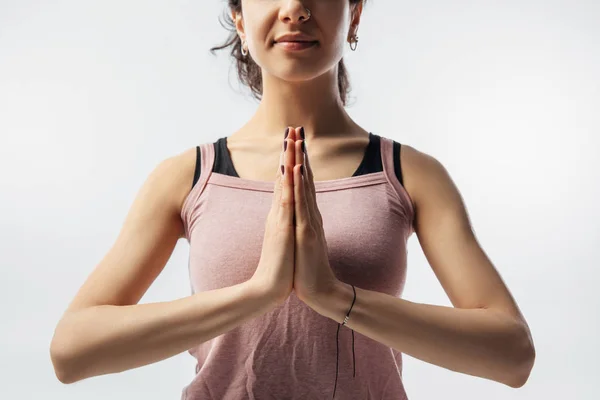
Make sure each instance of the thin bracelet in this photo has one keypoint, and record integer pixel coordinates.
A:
(337, 343)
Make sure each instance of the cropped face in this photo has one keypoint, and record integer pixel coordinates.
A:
(327, 28)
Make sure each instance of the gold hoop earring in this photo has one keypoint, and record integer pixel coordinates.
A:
(353, 40)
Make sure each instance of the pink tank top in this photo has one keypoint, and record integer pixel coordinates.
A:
(291, 352)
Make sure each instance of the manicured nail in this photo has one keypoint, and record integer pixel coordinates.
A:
(302, 170)
(282, 170)
(302, 133)
(285, 145)
(303, 147)
(287, 131)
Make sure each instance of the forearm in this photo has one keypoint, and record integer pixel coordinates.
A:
(107, 339)
(479, 342)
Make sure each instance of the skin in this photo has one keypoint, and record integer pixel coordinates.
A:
(104, 330)
(298, 88)
(484, 334)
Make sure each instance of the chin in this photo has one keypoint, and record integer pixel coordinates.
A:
(295, 74)
(296, 70)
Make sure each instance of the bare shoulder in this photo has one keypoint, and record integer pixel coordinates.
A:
(423, 174)
(170, 182)
(178, 172)
(182, 167)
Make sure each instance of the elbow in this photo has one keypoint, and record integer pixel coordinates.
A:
(63, 357)
(523, 361)
(523, 370)
(62, 361)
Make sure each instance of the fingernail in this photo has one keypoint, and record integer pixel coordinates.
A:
(302, 170)
(302, 133)
(287, 131)
(282, 170)
(285, 145)
(303, 147)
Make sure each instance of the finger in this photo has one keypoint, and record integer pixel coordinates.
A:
(277, 187)
(286, 210)
(307, 160)
(304, 201)
(311, 194)
(293, 134)
(300, 203)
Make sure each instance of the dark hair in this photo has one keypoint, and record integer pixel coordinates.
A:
(249, 72)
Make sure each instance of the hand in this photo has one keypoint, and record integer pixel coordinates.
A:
(275, 272)
(313, 276)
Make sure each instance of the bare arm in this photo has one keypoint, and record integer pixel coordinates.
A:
(105, 339)
(104, 330)
(485, 333)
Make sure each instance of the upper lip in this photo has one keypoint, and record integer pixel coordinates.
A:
(295, 37)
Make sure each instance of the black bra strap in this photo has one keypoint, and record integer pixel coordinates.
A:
(397, 167)
(198, 164)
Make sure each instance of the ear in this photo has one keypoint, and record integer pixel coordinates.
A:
(356, 12)
(238, 21)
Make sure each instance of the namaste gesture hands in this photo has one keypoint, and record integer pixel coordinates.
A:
(294, 254)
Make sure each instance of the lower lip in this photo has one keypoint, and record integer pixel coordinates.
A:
(296, 46)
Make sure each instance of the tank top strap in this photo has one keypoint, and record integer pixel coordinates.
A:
(207, 151)
(206, 155)
(388, 158)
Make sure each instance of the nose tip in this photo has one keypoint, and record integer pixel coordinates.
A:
(295, 12)
(299, 19)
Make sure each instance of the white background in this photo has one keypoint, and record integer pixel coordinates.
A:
(93, 94)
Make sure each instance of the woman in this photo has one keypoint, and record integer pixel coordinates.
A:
(275, 265)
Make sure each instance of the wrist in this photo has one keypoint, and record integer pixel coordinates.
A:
(255, 290)
(336, 302)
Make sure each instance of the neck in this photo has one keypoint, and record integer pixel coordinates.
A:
(314, 104)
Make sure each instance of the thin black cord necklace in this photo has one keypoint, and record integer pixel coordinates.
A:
(337, 344)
